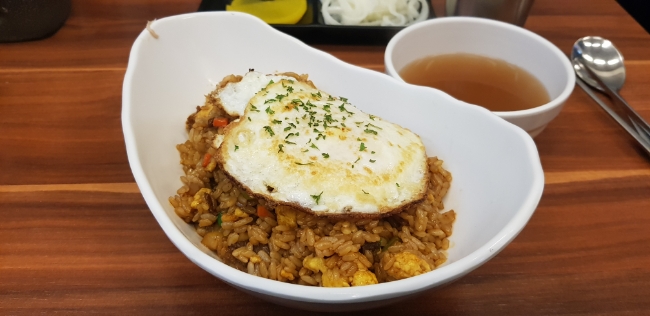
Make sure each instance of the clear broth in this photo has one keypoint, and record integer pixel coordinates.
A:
(491, 83)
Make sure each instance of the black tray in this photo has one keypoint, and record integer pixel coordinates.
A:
(312, 30)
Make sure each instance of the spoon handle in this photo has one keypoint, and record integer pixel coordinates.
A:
(637, 121)
(616, 117)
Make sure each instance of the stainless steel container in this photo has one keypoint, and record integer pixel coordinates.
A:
(511, 11)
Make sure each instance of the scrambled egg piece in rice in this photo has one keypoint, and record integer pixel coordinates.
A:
(407, 265)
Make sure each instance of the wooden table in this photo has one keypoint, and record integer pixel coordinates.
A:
(77, 237)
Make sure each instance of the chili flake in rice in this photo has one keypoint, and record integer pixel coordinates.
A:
(285, 244)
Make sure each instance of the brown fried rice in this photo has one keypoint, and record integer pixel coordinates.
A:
(288, 245)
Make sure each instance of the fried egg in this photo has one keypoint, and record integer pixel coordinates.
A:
(298, 146)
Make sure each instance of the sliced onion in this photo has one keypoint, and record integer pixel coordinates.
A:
(374, 12)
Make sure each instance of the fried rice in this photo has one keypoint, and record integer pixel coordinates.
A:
(284, 244)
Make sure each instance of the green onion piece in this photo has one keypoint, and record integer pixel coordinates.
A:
(317, 197)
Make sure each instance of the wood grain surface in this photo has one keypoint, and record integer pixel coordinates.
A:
(76, 237)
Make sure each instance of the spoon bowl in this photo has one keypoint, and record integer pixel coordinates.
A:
(603, 58)
(600, 65)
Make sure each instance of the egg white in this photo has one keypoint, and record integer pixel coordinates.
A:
(299, 146)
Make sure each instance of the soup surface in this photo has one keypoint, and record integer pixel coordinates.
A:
(491, 83)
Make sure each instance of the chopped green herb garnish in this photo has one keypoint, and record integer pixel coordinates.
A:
(287, 128)
(236, 147)
(288, 142)
(325, 155)
(364, 192)
(290, 81)
(304, 164)
(369, 131)
(219, 219)
(280, 146)
(249, 119)
(375, 126)
(326, 107)
(306, 150)
(362, 147)
(358, 139)
(292, 125)
(280, 96)
(373, 161)
(276, 122)
(397, 184)
(320, 136)
(269, 130)
(330, 98)
(289, 135)
(372, 152)
(314, 146)
(343, 99)
(372, 117)
(317, 131)
(357, 160)
(254, 108)
(270, 83)
(290, 89)
(317, 197)
(269, 111)
(343, 124)
(270, 101)
(328, 118)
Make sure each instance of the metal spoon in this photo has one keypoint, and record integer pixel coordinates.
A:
(598, 63)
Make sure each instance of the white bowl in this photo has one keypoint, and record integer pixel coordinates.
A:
(498, 179)
(493, 39)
